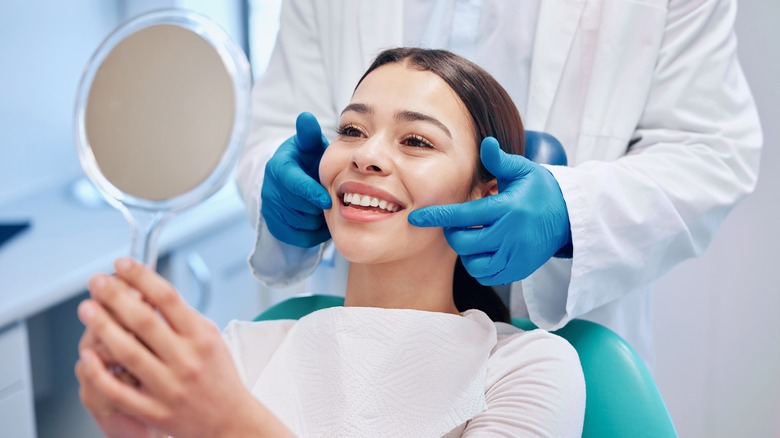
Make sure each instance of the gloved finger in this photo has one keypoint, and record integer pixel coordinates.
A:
(307, 239)
(507, 267)
(502, 165)
(504, 277)
(294, 180)
(291, 219)
(309, 134)
(471, 241)
(304, 222)
(300, 204)
(280, 228)
(483, 265)
(482, 211)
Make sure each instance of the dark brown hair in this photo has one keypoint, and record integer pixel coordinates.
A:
(494, 115)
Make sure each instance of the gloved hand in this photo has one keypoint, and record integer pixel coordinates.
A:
(292, 197)
(517, 230)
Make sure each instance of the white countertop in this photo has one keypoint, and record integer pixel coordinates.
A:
(67, 242)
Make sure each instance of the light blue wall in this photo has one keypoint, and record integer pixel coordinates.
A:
(44, 46)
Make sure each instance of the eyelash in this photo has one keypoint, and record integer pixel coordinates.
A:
(418, 138)
(349, 130)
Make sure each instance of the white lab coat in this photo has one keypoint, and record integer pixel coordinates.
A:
(647, 97)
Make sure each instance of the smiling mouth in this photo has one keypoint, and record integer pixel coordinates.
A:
(366, 202)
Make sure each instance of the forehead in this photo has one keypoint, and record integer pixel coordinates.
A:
(393, 87)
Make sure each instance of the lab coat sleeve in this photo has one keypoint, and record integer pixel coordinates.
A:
(294, 82)
(534, 388)
(696, 154)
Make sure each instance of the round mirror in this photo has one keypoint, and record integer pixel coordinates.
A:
(161, 115)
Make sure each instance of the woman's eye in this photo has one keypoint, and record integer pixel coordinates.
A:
(349, 131)
(417, 141)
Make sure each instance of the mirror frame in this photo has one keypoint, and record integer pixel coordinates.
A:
(237, 68)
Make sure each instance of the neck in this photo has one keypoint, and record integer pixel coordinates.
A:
(421, 283)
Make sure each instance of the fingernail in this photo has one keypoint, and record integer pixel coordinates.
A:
(86, 311)
(97, 282)
(124, 264)
(86, 357)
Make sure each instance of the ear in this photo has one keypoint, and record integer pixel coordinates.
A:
(485, 189)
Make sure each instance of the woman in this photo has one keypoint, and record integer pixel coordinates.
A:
(405, 356)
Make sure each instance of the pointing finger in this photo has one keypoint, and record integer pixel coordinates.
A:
(480, 212)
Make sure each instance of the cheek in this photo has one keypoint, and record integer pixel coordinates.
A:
(442, 184)
(334, 161)
(328, 166)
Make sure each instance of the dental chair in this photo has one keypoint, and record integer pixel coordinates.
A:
(622, 399)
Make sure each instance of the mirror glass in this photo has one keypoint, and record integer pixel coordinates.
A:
(161, 116)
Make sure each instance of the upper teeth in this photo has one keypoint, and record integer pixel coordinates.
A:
(368, 201)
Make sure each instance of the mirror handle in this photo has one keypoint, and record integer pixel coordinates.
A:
(145, 229)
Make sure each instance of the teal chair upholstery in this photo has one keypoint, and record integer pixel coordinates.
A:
(622, 399)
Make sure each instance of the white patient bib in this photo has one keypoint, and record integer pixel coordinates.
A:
(359, 371)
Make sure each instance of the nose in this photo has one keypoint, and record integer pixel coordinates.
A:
(372, 157)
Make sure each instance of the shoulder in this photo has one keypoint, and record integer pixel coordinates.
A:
(252, 344)
(512, 341)
(537, 352)
(534, 384)
(515, 347)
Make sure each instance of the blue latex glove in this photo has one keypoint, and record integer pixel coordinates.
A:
(505, 237)
(292, 197)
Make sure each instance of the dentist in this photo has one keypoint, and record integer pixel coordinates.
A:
(647, 98)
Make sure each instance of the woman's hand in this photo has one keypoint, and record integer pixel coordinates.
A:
(94, 355)
(187, 383)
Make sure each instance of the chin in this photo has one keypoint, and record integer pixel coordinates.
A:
(362, 250)
(381, 242)
(362, 243)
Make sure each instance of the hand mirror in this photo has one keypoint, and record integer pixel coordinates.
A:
(161, 115)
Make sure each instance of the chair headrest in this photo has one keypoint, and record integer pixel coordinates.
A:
(543, 148)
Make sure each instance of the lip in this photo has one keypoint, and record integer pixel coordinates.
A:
(364, 215)
(365, 189)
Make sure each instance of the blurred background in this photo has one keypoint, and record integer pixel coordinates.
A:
(716, 330)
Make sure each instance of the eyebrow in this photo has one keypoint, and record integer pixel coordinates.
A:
(360, 108)
(413, 116)
(408, 116)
